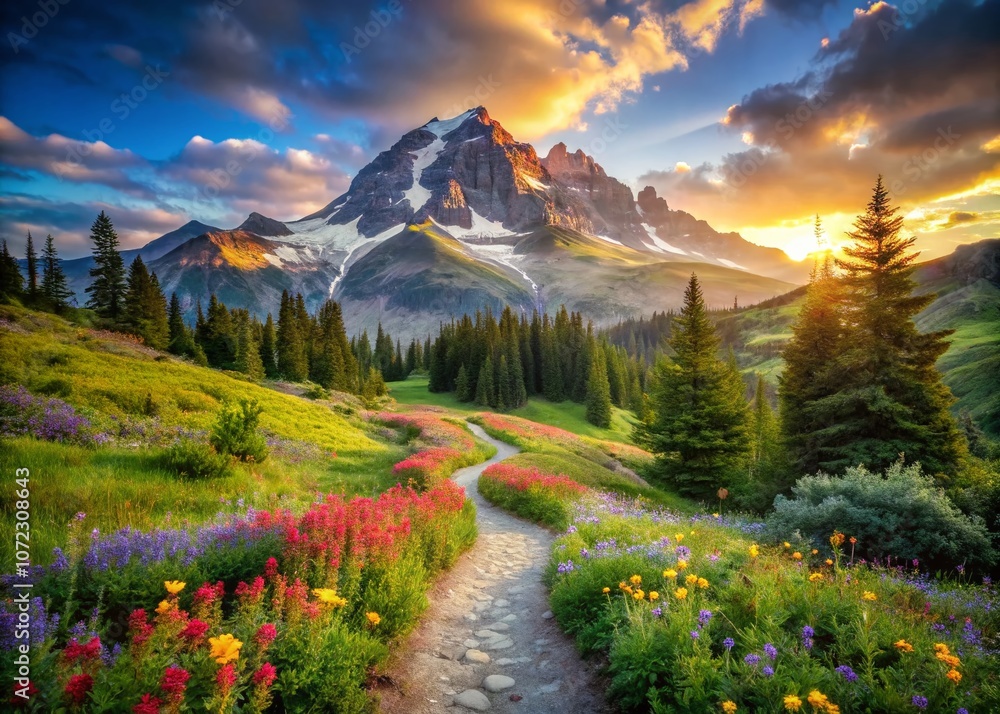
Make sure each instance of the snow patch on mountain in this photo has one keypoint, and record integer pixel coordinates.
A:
(440, 127)
(609, 240)
(660, 244)
(417, 195)
(730, 264)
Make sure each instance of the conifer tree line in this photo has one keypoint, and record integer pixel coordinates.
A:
(500, 363)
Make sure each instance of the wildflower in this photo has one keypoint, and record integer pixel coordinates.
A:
(729, 643)
(869, 596)
(703, 617)
(373, 618)
(265, 635)
(919, 702)
(271, 567)
(606, 590)
(680, 593)
(954, 675)
(817, 699)
(265, 676)
(695, 634)
(194, 630)
(903, 646)
(174, 681)
(328, 596)
(941, 648)
(787, 544)
(792, 703)
(670, 574)
(225, 648)
(853, 540)
(164, 607)
(702, 583)
(837, 539)
(636, 580)
(681, 564)
(679, 537)
(754, 551)
(639, 594)
(653, 595)
(729, 706)
(691, 579)
(657, 611)
(768, 671)
(815, 577)
(148, 705)
(949, 659)
(847, 673)
(807, 635)
(79, 687)
(752, 660)
(174, 586)
(828, 561)
(815, 552)
(797, 555)
(771, 651)
(225, 679)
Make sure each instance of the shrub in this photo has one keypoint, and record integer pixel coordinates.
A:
(316, 392)
(235, 431)
(195, 459)
(901, 515)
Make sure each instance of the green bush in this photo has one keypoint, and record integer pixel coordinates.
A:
(235, 431)
(195, 459)
(902, 514)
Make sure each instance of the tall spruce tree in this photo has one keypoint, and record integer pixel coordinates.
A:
(181, 339)
(486, 393)
(293, 363)
(890, 400)
(268, 349)
(11, 280)
(698, 426)
(598, 392)
(107, 291)
(31, 293)
(145, 308)
(463, 390)
(55, 292)
(247, 350)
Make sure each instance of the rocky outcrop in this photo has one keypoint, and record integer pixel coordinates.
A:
(264, 226)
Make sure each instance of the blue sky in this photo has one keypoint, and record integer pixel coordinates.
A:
(210, 110)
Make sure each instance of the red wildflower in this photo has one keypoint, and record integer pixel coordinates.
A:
(137, 625)
(265, 676)
(174, 681)
(225, 679)
(17, 701)
(74, 650)
(78, 687)
(265, 635)
(251, 592)
(209, 593)
(194, 630)
(147, 705)
(271, 567)
(523, 479)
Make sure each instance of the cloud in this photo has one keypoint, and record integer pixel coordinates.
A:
(914, 99)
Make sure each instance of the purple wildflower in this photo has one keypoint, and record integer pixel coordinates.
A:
(729, 643)
(768, 671)
(566, 567)
(919, 702)
(847, 673)
(807, 637)
(695, 634)
(657, 611)
(770, 651)
(703, 617)
(752, 660)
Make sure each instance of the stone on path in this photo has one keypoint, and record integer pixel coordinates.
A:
(477, 656)
(547, 615)
(498, 627)
(473, 699)
(501, 603)
(487, 634)
(497, 683)
(503, 644)
(550, 688)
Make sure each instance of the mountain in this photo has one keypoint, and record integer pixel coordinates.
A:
(457, 215)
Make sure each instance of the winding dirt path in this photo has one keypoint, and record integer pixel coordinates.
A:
(489, 628)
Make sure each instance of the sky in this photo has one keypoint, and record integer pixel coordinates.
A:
(754, 115)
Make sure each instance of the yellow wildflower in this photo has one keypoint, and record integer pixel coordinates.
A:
(636, 579)
(653, 595)
(837, 539)
(682, 564)
(797, 555)
(869, 595)
(164, 607)
(815, 577)
(225, 648)
(787, 544)
(815, 552)
(954, 675)
(941, 648)
(328, 596)
(792, 703)
(829, 562)
(692, 579)
(702, 583)
(832, 708)
(754, 551)
(606, 590)
(949, 659)
(373, 618)
(679, 537)
(639, 594)
(173, 586)
(670, 573)
(715, 515)
(817, 699)
(681, 593)
(903, 646)
(729, 707)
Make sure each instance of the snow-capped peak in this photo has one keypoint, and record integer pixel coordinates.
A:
(440, 127)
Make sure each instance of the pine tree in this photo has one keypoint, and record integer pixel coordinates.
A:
(698, 427)
(55, 292)
(293, 364)
(552, 380)
(765, 439)
(11, 280)
(107, 291)
(463, 390)
(145, 309)
(598, 393)
(181, 341)
(31, 294)
(248, 351)
(891, 399)
(268, 349)
(373, 386)
(486, 393)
